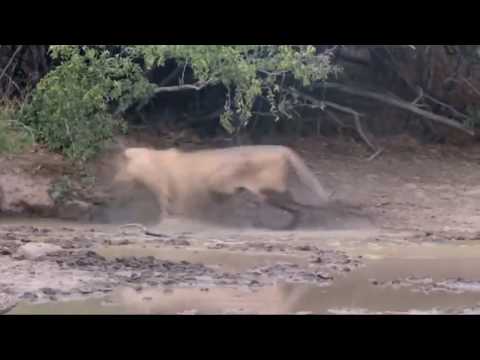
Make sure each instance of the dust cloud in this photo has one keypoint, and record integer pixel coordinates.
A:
(132, 202)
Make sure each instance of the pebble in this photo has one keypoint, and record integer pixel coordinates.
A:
(48, 291)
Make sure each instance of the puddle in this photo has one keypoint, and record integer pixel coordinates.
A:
(434, 251)
(397, 275)
(351, 293)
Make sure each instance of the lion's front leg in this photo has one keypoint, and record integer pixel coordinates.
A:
(165, 203)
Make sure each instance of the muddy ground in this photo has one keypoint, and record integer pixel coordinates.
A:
(404, 240)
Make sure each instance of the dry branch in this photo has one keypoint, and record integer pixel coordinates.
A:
(398, 103)
(196, 87)
(171, 76)
(19, 47)
(144, 229)
(474, 89)
(446, 106)
(356, 115)
(175, 88)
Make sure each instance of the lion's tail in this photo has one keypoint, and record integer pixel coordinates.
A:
(317, 195)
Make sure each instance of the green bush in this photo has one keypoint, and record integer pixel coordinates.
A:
(14, 136)
(71, 107)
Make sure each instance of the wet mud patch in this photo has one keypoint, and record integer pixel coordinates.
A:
(46, 281)
(223, 257)
(151, 270)
(79, 274)
(428, 285)
(232, 272)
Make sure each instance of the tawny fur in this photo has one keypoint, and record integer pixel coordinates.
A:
(185, 180)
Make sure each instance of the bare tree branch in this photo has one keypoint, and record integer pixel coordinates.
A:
(19, 47)
(263, 113)
(468, 82)
(335, 118)
(422, 95)
(356, 115)
(446, 106)
(196, 87)
(398, 103)
(12, 82)
(171, 76)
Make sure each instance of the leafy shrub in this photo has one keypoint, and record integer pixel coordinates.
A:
(70, 108)
(14, 136)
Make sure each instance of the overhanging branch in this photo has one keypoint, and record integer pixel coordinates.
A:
(322, 104)
(176, 88)
(398, 103)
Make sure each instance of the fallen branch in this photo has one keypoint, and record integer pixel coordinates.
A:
(11, 81)
(398, 103)
(144, 229)
(422, 95)
(375, 155)
(474, 89)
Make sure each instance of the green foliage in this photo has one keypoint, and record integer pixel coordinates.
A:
(14, 136)
(247, 71)
(71, 107)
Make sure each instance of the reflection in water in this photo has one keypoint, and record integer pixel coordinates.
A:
(274, 300)
(355, 292)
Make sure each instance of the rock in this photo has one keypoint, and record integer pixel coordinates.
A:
(34, 250)
(28, 296)
(48, 291)
(5, 251)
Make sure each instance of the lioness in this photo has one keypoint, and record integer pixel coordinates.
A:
(181, 180)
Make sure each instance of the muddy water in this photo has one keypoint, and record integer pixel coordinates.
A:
(396, 276)
(353, 293)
